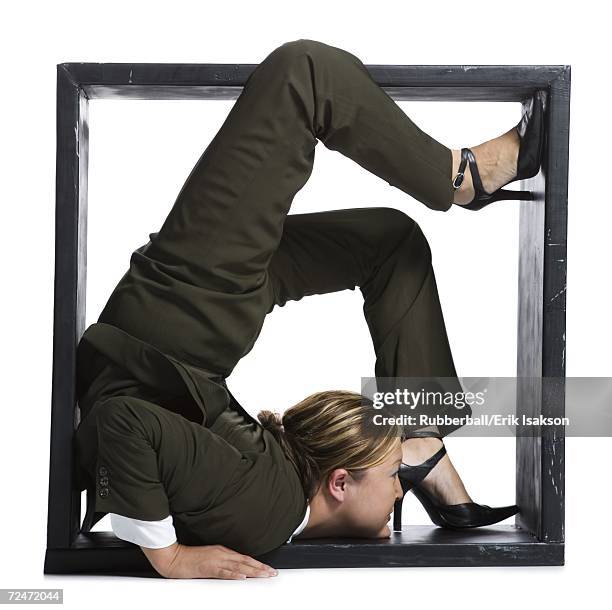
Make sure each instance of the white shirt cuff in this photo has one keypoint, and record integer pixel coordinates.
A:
(149, 534)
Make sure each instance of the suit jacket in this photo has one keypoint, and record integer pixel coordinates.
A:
(158, 436)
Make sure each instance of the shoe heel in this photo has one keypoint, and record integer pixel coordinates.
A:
(397, 515)
(514, 195)
(409, 477)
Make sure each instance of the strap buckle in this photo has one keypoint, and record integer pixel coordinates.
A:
(459, 176)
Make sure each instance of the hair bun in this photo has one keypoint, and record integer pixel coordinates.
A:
(271, 421)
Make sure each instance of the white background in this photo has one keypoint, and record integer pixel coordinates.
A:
(141, 152)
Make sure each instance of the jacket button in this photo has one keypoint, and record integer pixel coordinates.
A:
(102, 471)
(104, 481)
(104, 492)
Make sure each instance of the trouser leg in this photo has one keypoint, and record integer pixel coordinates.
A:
(212, 252)
(385, 253)
(228, 218)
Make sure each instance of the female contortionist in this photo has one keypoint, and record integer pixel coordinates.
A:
(163, 447)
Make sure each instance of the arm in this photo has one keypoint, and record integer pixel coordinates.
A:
(161, 558)
(129, 482)
(145, 455)
(157, 539)
(158, 542)
(150, 534)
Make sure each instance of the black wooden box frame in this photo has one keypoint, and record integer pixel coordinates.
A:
(537, 537)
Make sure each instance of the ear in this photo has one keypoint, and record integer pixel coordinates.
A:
(337, 483)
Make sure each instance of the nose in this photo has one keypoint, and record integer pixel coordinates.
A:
(399, 492)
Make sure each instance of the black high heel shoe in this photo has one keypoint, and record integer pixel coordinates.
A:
(452, 516)
(531, 133)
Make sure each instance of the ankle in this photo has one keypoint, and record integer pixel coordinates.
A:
(445, 483)
(448, 488)
(489, 155)
(416, 450)
(496, 160)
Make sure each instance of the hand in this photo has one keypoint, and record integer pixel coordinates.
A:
(214, 561)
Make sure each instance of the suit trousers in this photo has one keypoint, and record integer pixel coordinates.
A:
(229, 252)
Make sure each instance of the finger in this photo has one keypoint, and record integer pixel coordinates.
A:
(230, 574)
(253, 562)
(249, 570)
(256, 571)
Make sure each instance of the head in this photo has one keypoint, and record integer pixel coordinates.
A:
(348, 474)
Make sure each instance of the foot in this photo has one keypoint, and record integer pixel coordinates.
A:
(497, 162)
(443, 481)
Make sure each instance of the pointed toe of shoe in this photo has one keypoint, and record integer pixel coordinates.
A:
(488, 515)
(471, 514)
(508, 511)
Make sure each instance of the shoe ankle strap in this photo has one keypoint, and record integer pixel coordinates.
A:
(458, 179)
(416, 473)
(434, 459)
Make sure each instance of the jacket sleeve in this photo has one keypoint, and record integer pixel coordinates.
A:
(128, 480)
(148, 534)
(151, 462)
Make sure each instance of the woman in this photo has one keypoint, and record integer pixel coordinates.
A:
(163, 447)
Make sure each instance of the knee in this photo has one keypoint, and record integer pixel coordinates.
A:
(305, 46)
(420, 240)
(419, 244)
(396, 228)
(397, 222)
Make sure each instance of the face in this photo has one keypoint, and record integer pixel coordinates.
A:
(367, 503)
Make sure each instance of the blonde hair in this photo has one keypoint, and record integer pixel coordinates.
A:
(325, 431)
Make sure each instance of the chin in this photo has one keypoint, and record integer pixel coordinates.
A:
(385, 532)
